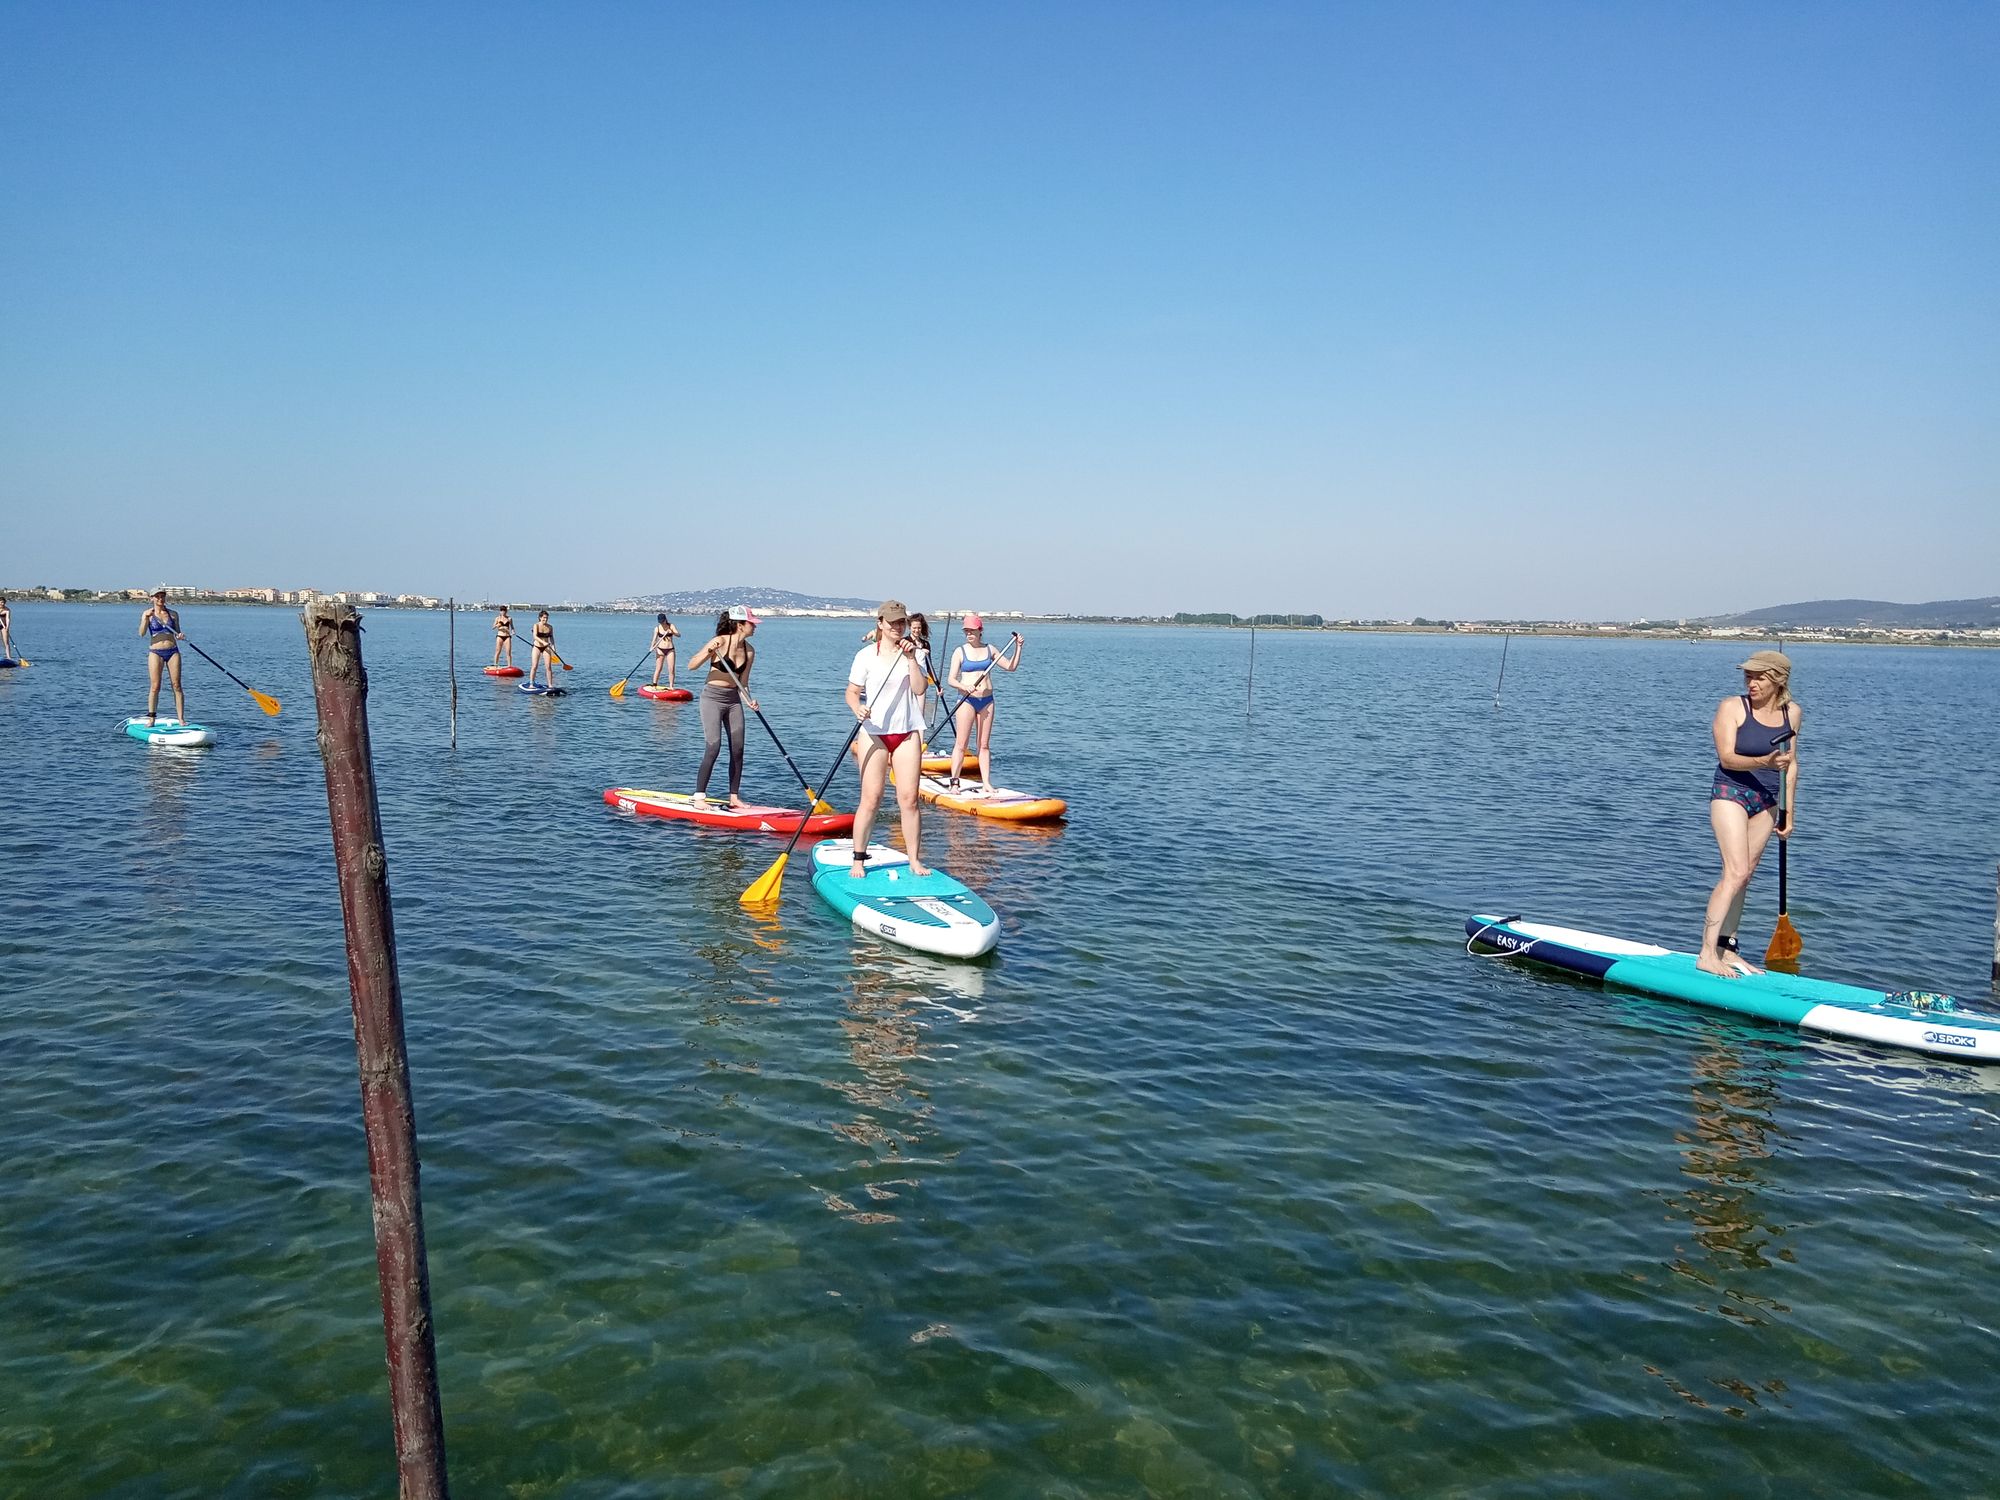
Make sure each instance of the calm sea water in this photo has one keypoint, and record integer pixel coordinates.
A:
(1229, 1175)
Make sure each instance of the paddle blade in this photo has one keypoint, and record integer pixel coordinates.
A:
(618, 689)
(764, 890)
(821, 805)
(1786, 944)
(266, 702)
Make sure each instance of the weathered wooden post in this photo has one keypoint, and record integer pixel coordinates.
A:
(1250, 680)
(451, 652)
(1996, 930)
(340, 690)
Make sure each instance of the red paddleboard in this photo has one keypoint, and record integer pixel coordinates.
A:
(665, 695)
(503, 671)
(719, 814)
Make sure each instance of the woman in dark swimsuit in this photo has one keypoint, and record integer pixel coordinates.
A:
(543, 656)
(663, 650)
(162, 629)
(1756, 763)
(721, 702)
(503, 637)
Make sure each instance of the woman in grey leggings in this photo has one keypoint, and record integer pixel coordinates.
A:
(721, 703)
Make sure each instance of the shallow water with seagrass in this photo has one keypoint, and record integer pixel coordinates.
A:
(1229, 1174)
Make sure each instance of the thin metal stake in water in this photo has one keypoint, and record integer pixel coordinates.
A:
(1503, 670)
(388, 1113)
(451, 650)
(1250, 684)
(1996, 931)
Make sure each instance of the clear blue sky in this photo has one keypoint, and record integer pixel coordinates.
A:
(1380, 309)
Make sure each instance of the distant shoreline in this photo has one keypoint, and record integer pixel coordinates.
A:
(1815, 636)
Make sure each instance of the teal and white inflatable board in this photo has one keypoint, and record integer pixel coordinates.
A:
(169, 732)
(1921, 1021)
(932, 913)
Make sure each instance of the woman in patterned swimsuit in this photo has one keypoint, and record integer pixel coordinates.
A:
(1756, 763)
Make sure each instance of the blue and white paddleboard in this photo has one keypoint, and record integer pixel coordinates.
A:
(543, 692)
(932, 913)
(169, 732)
(1923, 1022)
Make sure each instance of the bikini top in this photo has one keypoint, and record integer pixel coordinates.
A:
(154, 627)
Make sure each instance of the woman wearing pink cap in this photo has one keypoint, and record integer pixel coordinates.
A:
(972, 668)
(721, 697)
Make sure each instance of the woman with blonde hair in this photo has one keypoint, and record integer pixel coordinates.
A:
(1754, 792)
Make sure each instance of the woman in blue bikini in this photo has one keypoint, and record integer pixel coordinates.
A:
(1756, 764)
(162, 629)
(972, 668)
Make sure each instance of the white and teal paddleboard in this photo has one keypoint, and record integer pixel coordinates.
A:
(169, 732)
(932, 913)
(1920, 1020)
(543, 692)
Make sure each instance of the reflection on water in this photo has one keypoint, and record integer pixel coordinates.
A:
(1733, 1101)
(1734, 1098)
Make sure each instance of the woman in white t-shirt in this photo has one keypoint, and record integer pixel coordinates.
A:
(885, 691)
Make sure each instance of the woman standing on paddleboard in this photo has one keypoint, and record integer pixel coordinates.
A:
(162, 629)
(885, 691)
(1756, 762)
(972, 668)
(6, 631)
(543, 656)
(721, 701)
(503, 636)
(663, 650)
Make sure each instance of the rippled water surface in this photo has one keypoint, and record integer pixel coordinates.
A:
(1230, 1174)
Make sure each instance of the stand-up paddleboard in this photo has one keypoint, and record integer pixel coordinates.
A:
(691, 809)
(169, 732)
(543, 692)
(932, 913)
(503, 672)
(6, 662)
(984, 801)
(1923, 1022)
(665, 695)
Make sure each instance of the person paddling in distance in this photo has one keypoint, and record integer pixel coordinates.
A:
(162, 629)
(885, 691)
(972, 667)
(6, 631)
(1757, 762)
(721, 701)
(663, 649)
(543, 657)
(503, 637)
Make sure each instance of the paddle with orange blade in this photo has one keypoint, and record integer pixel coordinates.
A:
(264, 701)
(1786, 945)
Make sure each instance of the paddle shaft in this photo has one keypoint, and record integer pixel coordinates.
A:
(832, 771)
(217, 665)
(745, 692)
(635, 667)
(1784, 844)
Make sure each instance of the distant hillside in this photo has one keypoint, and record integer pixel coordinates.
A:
(1940, 614)
(701, 601)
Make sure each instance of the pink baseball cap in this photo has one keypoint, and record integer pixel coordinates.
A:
(741, 612)
(973, 622)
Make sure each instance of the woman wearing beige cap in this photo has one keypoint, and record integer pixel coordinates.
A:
(885, 691)
(1756, 755)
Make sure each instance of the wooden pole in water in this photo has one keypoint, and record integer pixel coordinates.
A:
(1503, 668)
(1250, 684)
(451, 650)
(1996, 930)
(340, 691)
